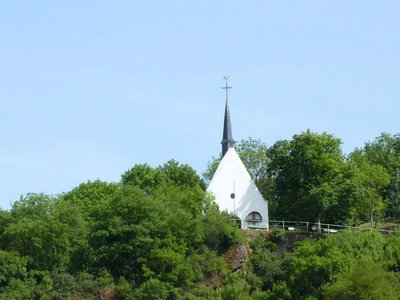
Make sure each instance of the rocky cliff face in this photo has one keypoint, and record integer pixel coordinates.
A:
(237, 257)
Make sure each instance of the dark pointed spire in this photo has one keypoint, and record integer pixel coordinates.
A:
(227, 138)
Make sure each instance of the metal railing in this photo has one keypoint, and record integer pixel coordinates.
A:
(301, 226)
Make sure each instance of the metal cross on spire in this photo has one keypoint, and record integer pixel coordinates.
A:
(226, 87)
(227, 138)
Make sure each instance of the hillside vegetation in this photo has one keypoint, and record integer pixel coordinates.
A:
(157, 234)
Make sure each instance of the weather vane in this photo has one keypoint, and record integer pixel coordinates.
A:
(226, 87)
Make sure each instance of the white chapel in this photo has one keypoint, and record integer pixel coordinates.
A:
(232, 186)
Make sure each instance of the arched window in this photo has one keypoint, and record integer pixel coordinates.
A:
(254, 217)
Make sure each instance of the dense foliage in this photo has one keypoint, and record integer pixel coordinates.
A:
(158, 235)
(349, 265)
(155, 235)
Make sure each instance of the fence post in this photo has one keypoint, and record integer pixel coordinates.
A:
(328, 228)
(283, 225)
(307, 226)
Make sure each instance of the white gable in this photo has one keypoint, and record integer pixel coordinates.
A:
(232, 179)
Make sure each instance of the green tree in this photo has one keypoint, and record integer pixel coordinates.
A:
(155, 289)
(212, 166)
(370, 182)
(92, 197)
(385, 151)
(318, 262)
(182, 174)
(45, 230)
(303, 170)
(5, 219)
(235, 287)
(269, 266)
(158, 235)
(145, 177)
(367, 280)
(11, 267)
(392, 251)
(253, 153)
(171, 173)
(33, 206)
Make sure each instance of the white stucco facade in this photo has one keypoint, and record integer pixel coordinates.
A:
(235, 192)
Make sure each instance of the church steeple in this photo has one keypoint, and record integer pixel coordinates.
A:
(227, 138)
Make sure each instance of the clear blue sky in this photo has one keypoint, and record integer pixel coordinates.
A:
(90, 88)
